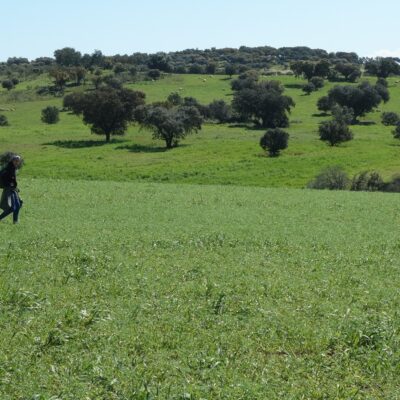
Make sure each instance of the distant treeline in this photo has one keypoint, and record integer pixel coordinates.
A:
(208, 61)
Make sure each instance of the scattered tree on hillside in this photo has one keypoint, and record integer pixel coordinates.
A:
(334, 132)
(3, 120)
(97, 80)
(7, 84)
(192, 102)
(361, 99)
(230, 70)
(78, 74)
(220, 111)
(246, 80)
(274, 140)
(324, 104)
(367, 181)
(350, 72)
(60, 76)
(119, 68)
(390, 118)
(322, 68)
(265, 104)
(50, 115)
(169, 124)
(107, 110)
(342, 114)
(383, 82)
(154, 74)
(308, 88)
(67, 57)
(331, 178)
(160, 62)
(317, 81)
(396, 132)
(175, 99)
(383, 91)
(382, 67)
(211, 68)
(310, 69)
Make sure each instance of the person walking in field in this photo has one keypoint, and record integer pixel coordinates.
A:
(10, 201)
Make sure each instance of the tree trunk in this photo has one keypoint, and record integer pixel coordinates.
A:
(108, 135)
(168, 142)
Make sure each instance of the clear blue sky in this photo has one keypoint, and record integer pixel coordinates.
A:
(34, 28)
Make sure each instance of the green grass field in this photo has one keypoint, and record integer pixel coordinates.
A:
(219, 154)
(204, 272)
(153, 291)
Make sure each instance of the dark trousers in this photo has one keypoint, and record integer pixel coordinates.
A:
(14, 209)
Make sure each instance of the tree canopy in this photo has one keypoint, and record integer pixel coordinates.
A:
(169, 123)
(107, 110)
(264, 104)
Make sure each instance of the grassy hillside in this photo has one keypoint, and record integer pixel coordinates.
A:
(219, 154)
(148, 291)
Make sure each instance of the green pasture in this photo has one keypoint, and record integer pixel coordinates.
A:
(219, 154)
(118, 290)
(121, 283)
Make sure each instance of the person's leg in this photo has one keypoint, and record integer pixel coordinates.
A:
(9, 210)
(6, 213)
(16, 206)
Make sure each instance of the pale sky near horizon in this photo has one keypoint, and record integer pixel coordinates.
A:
(36, 28)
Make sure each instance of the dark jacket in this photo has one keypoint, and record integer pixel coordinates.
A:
(9, 176)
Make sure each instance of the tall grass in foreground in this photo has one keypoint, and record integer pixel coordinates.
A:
(149, 291)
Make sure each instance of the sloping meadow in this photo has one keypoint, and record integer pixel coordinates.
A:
(150, 291)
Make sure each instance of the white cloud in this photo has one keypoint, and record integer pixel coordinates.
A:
(386, 53)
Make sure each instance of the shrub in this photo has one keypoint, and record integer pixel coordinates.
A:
(332, 178)
(334, 132)
(342, 114)
(118, 68)
(154, 74)
(3, 120)
(71, 100)
(50, 115)
(308, 88)
(220, 111)
(175, 99)
(367, 181)
(317, 82)
(382, 81)
(7, 84)
(393, 185)
(324, 104)
(396, 132)
(274, 140)
(390, 118)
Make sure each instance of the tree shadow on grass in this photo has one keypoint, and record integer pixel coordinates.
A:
(80, 144)
(365, 123)
(294, 85)
(139, 148)
(247, 127)
(322, 114)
